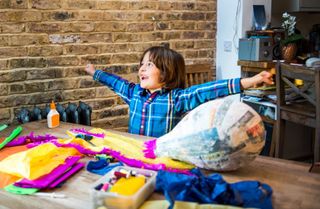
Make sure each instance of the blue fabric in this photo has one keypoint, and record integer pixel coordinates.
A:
(101, 166)
(155, 114)
(213, 190)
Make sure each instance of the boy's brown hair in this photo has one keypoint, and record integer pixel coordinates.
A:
(171, 65)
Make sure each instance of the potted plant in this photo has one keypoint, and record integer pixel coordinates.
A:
(289, 44)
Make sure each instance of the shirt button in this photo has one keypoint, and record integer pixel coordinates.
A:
(141, 126)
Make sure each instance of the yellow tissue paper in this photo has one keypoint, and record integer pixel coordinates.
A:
(193, 205)
(164, 204)
(151, 204)
(128, 146)
(37, 161)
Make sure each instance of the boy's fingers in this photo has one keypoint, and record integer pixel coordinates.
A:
(269, 81)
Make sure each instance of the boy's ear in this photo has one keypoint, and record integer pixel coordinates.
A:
(162, 77)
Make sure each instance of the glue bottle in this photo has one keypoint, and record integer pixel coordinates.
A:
(53, 116)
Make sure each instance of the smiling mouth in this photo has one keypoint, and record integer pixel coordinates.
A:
(143, 78)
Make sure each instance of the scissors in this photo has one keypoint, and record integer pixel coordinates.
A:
(87, 138)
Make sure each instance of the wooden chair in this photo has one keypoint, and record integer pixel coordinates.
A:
(198, 73)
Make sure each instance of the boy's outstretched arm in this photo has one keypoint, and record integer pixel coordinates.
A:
(90, 69)
(263, 77)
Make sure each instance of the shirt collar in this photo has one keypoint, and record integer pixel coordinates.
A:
(145, 92)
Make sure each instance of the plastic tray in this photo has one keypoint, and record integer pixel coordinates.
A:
(116, 201)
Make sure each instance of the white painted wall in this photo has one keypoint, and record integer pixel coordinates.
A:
(230, 27)
(228, 24)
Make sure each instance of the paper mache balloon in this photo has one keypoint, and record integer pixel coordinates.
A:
(220, 135)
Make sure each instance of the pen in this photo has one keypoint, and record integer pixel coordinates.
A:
(51, 194)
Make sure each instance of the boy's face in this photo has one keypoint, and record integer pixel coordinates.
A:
(149, 75)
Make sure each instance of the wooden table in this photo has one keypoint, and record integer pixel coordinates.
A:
(292, 184)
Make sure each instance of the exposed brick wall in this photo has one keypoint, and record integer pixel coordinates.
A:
(44, 46)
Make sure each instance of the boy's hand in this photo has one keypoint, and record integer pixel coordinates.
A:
(90, 69)
(263, 77)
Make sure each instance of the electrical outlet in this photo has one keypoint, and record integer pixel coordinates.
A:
(227, 46)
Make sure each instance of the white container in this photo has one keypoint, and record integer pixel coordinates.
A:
(115, 201)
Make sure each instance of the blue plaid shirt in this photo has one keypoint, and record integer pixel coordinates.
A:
(155, 114)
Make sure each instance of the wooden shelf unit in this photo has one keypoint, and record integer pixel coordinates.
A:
(254, 67)
(307, 113)
(257, 66)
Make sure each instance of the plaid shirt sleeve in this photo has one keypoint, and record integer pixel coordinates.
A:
(120, 86)
(189, 98)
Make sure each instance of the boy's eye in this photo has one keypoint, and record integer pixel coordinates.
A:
(147, 64)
